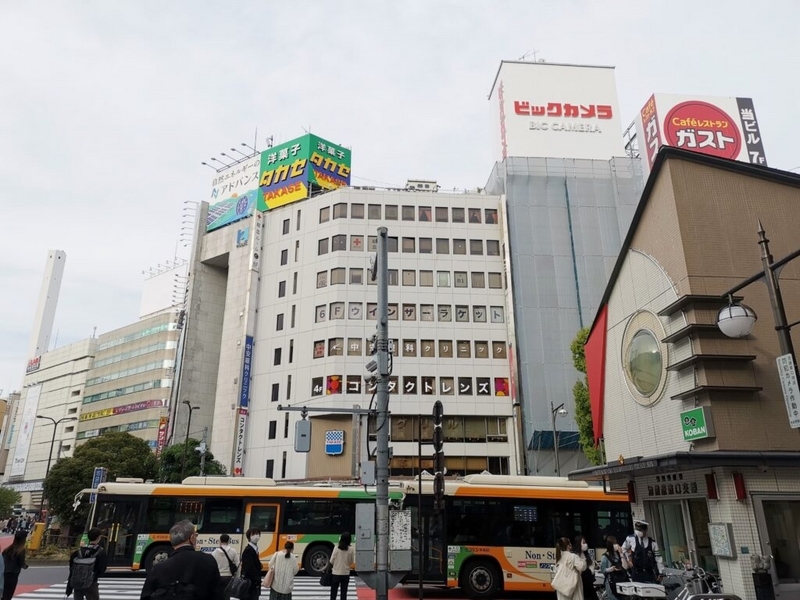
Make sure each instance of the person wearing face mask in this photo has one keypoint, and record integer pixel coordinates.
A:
(186, 573)
(614, 566)
(644, 556)
(581, 548)
(250, 567)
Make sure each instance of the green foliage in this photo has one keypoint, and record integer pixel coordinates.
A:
(583, 408)
(8, 498)
(123, 454)
(172, 461)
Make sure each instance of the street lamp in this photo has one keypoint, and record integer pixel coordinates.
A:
(561, 412)
(737, 320)
(50, 456)
(186, 441)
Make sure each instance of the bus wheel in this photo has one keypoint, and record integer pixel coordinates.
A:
(156, 555)
(316, 558)
(480, 579)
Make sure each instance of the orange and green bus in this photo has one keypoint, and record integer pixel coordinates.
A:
(497, 533)
(136, 517)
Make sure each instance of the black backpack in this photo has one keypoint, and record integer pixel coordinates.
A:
(82, 576)
(176, 590)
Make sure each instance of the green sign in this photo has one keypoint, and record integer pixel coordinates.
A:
(696, 424)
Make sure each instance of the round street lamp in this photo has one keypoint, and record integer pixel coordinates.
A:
(736, 320)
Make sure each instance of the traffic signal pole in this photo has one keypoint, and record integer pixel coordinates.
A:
(382, 394)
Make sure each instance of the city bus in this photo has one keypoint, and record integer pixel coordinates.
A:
(498, 533)
(136, 517)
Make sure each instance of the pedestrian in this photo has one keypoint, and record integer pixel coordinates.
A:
(587, 575)
(342, 558)
(614, 566)
(14, 562)
(569, 566)
(251, 564)
(227, 559)
(86, 565)
(283, 566)
(186, 574)
(643, 555)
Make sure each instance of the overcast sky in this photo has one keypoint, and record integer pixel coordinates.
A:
(108, 108)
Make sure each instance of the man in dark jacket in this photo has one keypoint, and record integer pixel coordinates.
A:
(92, 550)
(186, 573)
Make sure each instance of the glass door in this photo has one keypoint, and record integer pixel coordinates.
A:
(700, 539)
(119, 522)
(263, 517)
(778, 519)
(673, 543)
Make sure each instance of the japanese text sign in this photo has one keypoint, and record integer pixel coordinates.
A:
(791, 391)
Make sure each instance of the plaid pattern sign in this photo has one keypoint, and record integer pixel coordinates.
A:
(334, 442)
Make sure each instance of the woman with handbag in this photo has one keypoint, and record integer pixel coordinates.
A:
(567, 580)
(343, 556)
(614, 565)
(282, 569)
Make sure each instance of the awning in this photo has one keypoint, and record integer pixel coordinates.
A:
(684, 461)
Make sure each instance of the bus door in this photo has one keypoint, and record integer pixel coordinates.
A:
(118, 519)
(265, 518)
(432, 543)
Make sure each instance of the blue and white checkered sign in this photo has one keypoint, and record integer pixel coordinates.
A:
(334, 442)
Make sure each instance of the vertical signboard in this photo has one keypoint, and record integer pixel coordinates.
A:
(100, 475)
(29, 410)
(244, 405)
(791, 391)
(255, 249)
(161, 441)
(718, 126)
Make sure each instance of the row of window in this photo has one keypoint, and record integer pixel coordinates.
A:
(161, 364)
(137, 426)
(411, 384)
(131, 389)
(134, 353)
(424, 214)
(137, 335)
(408, 245)
(411, 348)
(445, 313)
(411, 277)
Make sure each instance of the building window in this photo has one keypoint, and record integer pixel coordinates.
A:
(336, 347)
(481, 349)
(298, 220)
(281, 289)
(357, 276)
(322, 247)
(425, 245)
(426, 278)
(325, 214)
(499, 350)
(322, 279)
(442, 246)
(284, 257)
(279, 323)
(391, 242)
(356, 211)
(296, 250)
(374, 211)
(337, 310)
(426, 312)
(285, 226)
(425, 213)
(409, 244)
(319, 349)
(294, 312)
(479, 314)
(338, 276)
(492, 248)
(443, 278)
(340, 210)
(276, 360)
(271, 465)
(474, 215)
(445, 313)
(460, 279)
(357, 243)
(409, 277)
(372, 243)
(462, 314)
(490, 216)
(409, 312)
(392, 317)
(427, 348)
(409, 347)
(283, 465)
(458, 215)
(294, 283)
(476, 247)
(408, 213)
(478, 280)
(463, 349)
(441, 214)
(288, 391)
(392, 276)
(495, 281)
(286, 424)
(445, 349)
(355, 311)
(391, 212)
(275, 391)
(354, 346)
(498, 314)
(338, 242)
(321, 313)
(372, 311)
(291, 351)
(459, 246)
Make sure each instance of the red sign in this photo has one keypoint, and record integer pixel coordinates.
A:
(702, 127)
(162, 434)
(33, 364)
(558, 109)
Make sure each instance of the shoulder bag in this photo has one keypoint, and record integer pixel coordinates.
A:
(566, 578)
(237, 587)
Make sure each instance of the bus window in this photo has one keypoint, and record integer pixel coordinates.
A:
(263, 518)
(319, 516)
(159, 514)
(611, 520)
(190, 509)
(568, 520)
(223, 515)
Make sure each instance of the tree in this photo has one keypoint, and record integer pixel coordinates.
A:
(8, 498)
(123, 454)
(172, 462)
(583, 408)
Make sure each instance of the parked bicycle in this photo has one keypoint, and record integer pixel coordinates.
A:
(680, 584)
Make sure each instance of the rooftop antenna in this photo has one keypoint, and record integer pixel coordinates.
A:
(534, 53)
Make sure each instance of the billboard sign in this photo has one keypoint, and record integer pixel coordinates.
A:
(33, 365)
(791, 392)
(289, 170)
(163, 422)
(236, 180)
(123, 409)
(718, 126)
(100, 475)
(238, 459)
(558, 111)
(231, 210)
(247, 363)
(26, 430)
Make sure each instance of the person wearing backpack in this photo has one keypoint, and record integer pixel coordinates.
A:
(86, 565)
(186, 574)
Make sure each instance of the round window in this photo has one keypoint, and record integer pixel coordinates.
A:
(644, 364)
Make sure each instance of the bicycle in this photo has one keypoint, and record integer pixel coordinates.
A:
(690, 581)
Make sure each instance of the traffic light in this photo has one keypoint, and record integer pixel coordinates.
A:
(438, 456)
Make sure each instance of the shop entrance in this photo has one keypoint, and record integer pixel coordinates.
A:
(778, 520)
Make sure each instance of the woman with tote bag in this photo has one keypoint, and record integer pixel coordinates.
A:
(282, 569)
(569, 566)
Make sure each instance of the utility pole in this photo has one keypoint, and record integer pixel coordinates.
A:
(382, 466)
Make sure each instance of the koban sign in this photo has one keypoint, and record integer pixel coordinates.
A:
(696, 424)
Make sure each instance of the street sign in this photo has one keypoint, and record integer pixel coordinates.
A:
(697, 424)
(100, 474)
(791, 391)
